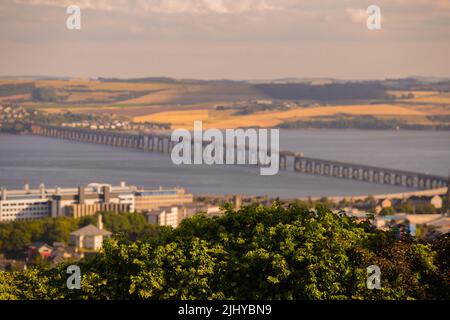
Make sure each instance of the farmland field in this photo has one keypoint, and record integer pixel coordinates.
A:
(180, 102)
(185, 119)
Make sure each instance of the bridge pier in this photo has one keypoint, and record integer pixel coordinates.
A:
(387, 178)
(346, 172)
(398, 180)
(355, 174)
(336, 171)
(366, 175)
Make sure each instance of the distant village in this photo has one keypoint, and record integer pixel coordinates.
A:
(15, 118)
(12, 113)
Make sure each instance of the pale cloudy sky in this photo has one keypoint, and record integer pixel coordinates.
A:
(216, 39)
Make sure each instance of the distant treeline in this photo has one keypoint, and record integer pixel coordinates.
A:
(327, 92)
(59, 118)
(16, 89)
(46, 95)
(358, 122)
(420, 84)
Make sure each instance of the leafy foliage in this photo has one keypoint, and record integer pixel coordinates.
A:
(256, 253)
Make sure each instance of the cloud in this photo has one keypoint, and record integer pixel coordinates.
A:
(164, 6)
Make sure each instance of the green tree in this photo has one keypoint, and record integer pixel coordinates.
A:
(257, 252)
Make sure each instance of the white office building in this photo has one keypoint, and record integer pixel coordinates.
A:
(30, 204)
(23, 207)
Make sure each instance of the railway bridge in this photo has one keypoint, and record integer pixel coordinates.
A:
(159, 142)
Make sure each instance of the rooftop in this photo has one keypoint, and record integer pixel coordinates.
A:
(91, 230)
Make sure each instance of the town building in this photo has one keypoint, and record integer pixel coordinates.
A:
(31, 204)
(146, 200)
(169, 216)
(414, 221)
(90, 237)
(61, 253)
(39, 249)
(172, 216)
(23, 206)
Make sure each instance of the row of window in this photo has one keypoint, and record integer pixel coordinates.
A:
(24, 204)
(25, 209)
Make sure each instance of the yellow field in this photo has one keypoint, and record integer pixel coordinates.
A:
(433, 99)
(164, 95)
(185, 119)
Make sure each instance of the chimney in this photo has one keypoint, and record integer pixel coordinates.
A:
(123, 184)
(100, 222)
(81, 195)
(26, 187)
(4, 194)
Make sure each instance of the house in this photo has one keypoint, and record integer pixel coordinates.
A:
(39, 248)
(61, 253)
(435, 201)
(90, 237)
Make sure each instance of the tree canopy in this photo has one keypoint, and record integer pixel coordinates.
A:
(255, 253)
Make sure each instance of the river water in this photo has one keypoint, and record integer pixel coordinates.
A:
(35, 160)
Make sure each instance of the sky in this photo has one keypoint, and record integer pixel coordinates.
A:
(225, 39)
